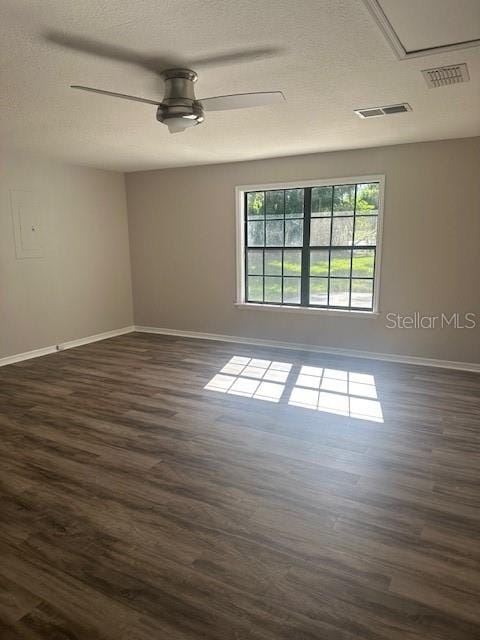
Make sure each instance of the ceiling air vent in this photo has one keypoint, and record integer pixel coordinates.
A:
(383, 111)
(444, 76)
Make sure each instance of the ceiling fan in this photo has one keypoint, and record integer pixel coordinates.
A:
(179, 109)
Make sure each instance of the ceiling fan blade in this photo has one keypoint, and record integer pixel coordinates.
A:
(242, 100)
(235, 56)
(154, 62)
(111, 51)
(125, 96)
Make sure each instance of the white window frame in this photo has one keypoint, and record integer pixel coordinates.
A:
(240, 213)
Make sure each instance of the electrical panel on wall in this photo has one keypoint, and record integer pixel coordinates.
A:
(27, 224)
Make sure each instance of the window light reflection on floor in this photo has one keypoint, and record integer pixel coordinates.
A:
(252, 378)
(335, 391)
(344, 393)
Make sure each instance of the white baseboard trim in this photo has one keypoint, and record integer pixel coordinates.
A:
(96, 338)
(26, 355)
(37, 353)
(350, 353)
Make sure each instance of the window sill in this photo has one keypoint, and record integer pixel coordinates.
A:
(346, 313)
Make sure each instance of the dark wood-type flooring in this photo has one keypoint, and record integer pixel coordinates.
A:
(137, 505)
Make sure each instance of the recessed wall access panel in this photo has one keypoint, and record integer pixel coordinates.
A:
(27, 224)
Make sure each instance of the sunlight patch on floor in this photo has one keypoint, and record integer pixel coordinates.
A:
(252, 378)
(336, 391)
(344, 393)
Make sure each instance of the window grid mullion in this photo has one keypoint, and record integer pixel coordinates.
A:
(305, 273)
(351, 251)
(374, 284)
(330, 247)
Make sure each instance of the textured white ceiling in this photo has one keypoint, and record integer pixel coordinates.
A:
(332, 59)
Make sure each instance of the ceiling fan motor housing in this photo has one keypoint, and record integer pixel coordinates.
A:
(179, 100)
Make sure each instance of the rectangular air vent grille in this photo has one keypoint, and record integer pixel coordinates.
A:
(375, 112)
(445, 76)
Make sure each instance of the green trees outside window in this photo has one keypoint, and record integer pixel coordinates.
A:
(312, 246)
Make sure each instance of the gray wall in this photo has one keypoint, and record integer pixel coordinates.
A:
(182, 241)
(82, 285)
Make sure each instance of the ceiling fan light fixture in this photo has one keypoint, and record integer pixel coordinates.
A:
(179, 109)
(176, 124)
